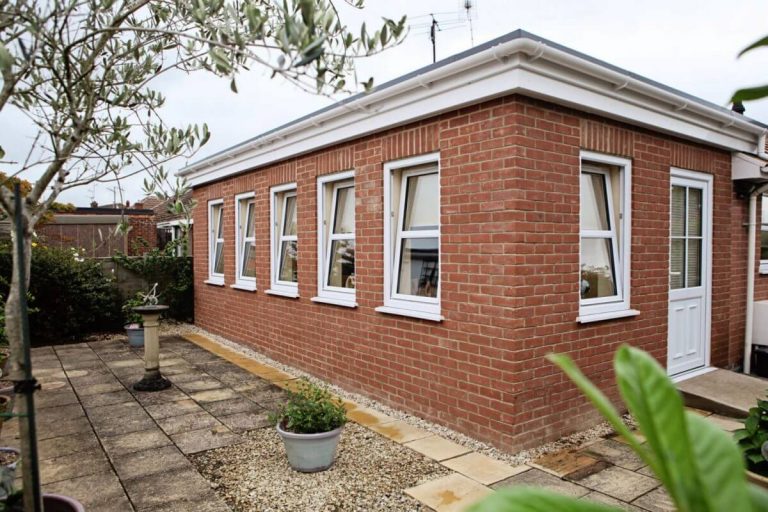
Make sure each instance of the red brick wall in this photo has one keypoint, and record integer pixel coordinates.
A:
(509, 277)
(143, 234)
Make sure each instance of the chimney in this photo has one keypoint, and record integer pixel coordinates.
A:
(94, 204)
(738, 107)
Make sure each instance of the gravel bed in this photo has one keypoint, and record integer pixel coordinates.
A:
(370, 474)
(574, 440)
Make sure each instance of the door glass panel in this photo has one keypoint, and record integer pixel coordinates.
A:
(345, 211)
(594, 202)
(678, 211)
(597, 272)
(694, 212)
(422, 210)
(419, 267)
(677, 264)
(694, 263)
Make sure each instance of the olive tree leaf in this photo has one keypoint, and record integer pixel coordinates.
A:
(720, 466)
(750, 94)
(757, 44)
(658, 408)
(528, 499)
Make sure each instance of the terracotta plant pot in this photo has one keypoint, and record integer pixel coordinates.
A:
(309, 453)
(756, 479)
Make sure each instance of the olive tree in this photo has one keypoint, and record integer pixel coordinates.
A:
(82, 72)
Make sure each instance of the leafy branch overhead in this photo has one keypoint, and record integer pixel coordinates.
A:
(752, 93)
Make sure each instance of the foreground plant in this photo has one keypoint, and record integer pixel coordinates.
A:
(310, 409)
(753, 438)
(698, 464)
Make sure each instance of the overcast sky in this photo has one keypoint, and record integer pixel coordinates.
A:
(687, 44)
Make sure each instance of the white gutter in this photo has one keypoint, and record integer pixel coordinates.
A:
(529, 67)
(761, 152)
(751, 248)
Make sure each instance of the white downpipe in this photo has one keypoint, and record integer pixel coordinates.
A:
(751, 248)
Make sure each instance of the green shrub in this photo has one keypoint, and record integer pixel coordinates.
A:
(173, 275)
(309, 410)
(753, 436)
(68, 296)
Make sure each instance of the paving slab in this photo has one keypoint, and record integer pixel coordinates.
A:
(116, 446)
(482, 468)
(100, 491)
(725, 423)
(115, 397)
(615, 452)
(205, 439)
(620, 483)
(200, 384)
(210, 503)
(437, 448)
(399, 431)
(564, 462)
(150, 462)
(187, 422)
(231, 406)
(56, 398)
(94, 389)
(544, 480)
(655, 501)
(158, 397)
(175, 408)
(67, 445)
(59, 413)
(151, 491)
(213, 395)
(451, 493)
(596, 497)
(74, 465)
(366, 416)
(723, 392)
(245, 421)
(63, 427)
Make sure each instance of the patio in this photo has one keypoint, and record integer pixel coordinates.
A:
(206, 444)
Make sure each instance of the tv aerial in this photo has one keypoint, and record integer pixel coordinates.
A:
(434, 22)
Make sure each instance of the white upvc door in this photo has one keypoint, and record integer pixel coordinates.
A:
(690, 272)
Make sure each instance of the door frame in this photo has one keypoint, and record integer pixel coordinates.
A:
(682, 175)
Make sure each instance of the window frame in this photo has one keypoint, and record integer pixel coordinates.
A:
(172, 226)
(243, 282)
(277, 286)
(615, 306)
(428, 308)
(763, 229)
(213, 240)
(327, 212)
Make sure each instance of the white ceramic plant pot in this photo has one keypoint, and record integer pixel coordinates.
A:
(310, 453)
(135, 333)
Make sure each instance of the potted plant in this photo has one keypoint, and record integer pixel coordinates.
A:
(310, 424)
(134, 327)
(753, 441)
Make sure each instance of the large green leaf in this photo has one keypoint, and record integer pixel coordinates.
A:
(757, 44)
(658, 408)
(720, 466)
(750, 93)
(527, 499)
(758, 497)
(599, 400)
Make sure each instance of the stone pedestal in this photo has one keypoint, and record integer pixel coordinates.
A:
(152, 380)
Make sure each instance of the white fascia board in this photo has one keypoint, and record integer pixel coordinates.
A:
(522, 66)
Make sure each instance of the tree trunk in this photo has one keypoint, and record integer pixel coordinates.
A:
(13, 326)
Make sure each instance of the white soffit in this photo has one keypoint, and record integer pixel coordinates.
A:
(748, 167)
(521, 65)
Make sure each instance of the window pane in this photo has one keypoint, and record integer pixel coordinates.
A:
(597, 272)
(419, 270)
(678, 211)
(764, 245)
(594, 202)
(677, 264)
(218, 261)
(290, 216)
(341, 271)
(249, 260)
(345, 211)
(422, 210)
(694, 263)
(694, 212)
(250, 221)
(288, 265)
(219, 225)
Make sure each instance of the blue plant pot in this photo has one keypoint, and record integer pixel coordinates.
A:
(135, 336)
(309, 453)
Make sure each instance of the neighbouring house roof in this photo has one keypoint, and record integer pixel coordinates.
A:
(162, 215)
(518, 62)
(101, 210)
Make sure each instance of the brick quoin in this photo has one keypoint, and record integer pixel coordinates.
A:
(509, 269)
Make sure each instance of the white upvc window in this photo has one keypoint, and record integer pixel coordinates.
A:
(216, 242)
(412, 237)
(284, 241)
(336, 239)
(605, 238)
(764, 236)
(174, 230)
(245, 241)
